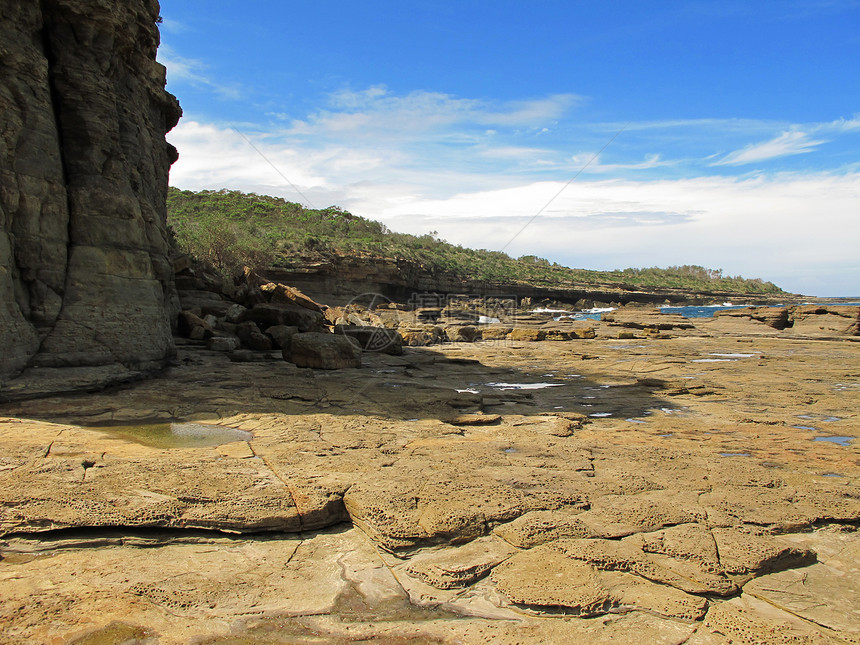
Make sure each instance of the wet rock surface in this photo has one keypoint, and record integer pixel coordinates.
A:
(593, 491)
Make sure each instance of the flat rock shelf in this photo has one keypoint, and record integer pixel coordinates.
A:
(641, 498)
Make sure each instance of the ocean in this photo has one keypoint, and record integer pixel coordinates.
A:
(704, 311)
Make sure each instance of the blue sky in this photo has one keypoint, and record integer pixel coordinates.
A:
(733, 128)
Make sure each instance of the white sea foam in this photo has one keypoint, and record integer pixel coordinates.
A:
(598, 310)
(487, 320)
(546, 310)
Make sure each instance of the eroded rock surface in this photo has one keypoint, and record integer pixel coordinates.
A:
(664, 489)
(84, 276)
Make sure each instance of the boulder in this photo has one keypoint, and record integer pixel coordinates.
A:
(192, 326)
(373, 339)
(234, 313)
(282, 294)
(494, 332)
(251, 336)
(223, 343)
(423, 336)
(282, 335)
(323, 351)
(527, 334)
(269, 315)
(462, 333)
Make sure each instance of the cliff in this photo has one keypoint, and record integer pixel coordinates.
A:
(84, 273)
(338, 278)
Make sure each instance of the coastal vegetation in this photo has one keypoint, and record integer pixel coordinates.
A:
(230, 229)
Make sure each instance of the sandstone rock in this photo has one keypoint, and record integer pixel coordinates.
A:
(527, 334)
(815, 320)
(422, 336)
(495, 332)
(332, 314)
(539, 527)
(373, 339)
(584, 332)
(834, 577)
(641, 510)
(462, 333)
(557, 334)
(85, 276)
(640, 318)
(461, 566)
(746, 553)
(549, 579)
(270, 315)
(776, 317)
(234, 313)
(324, 351)
(223, 343)
(282, 335)
(192, 326)
(251, 336)
(283, 294)
(248, 356)
(475, 419)
(353, 318)
(258, 341)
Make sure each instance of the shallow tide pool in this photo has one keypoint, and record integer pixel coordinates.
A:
(175, 434)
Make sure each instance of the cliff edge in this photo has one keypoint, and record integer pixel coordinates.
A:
(85, 279)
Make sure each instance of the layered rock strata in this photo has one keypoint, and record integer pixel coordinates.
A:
(84, 274)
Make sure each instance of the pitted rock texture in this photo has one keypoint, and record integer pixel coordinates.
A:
(709, 506)
(84, 274)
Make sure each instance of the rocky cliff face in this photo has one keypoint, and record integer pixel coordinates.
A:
(84, 273)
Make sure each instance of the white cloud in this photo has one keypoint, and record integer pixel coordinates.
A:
(427, 161)
(798, 231)
(173, 26)
(788, 143)
(594, 165)
(189, 70)
(377, 112)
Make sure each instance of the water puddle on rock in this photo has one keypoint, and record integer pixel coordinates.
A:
(813, 428)
(175, 435)
(729, 355)
(600, 414)
(735, 454)
(841, 441)
(522, 386)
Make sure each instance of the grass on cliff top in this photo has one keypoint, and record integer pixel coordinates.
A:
(230, 229)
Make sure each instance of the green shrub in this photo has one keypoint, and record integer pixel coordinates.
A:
(230, 230)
